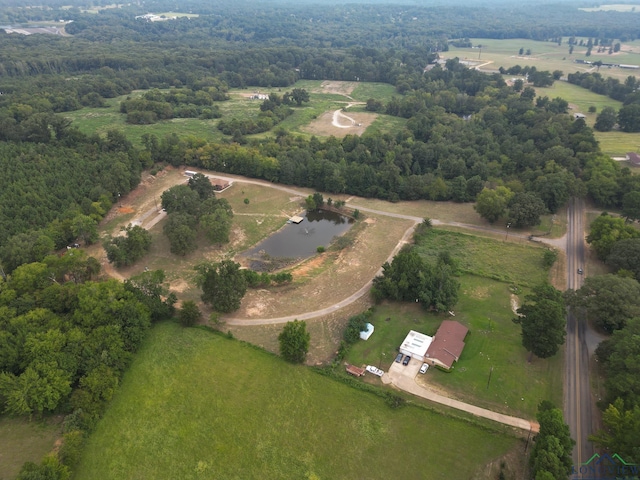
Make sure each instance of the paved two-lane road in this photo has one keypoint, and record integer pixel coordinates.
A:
(579, 403)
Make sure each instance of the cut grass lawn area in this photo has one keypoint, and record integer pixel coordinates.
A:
(485, 257)
(493, 341)
(25, 441)
(197, 405)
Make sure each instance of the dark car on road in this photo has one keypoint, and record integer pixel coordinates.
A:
(399, 357)
(579, 271)
(406, 360)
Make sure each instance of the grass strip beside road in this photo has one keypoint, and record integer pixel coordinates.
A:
(197, 405)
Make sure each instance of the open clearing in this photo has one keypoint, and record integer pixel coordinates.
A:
(25, 441)
(325, 125)
(324, 97)
(197, 405)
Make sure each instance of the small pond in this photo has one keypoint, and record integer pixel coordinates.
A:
(298, 241)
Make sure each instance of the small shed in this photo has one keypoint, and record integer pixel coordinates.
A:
(355, 371)
(365, 334)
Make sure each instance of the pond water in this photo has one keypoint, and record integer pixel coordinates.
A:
(298, 241)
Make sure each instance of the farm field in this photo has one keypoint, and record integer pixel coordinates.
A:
(197, 405)
(544, 56)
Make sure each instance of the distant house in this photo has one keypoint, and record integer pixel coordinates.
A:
(633, 158)
(447, 344)
(579, 115)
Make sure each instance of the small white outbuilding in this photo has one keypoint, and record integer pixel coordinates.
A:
(365, 334)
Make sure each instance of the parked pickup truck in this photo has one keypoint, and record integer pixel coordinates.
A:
(375, 370)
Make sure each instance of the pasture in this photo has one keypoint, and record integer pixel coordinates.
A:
(313, 118)
(197, 405)
(545, 56)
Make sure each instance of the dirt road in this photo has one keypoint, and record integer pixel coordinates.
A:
(140, 220)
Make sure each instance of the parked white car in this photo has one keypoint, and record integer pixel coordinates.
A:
(374, 370)
(424, 368)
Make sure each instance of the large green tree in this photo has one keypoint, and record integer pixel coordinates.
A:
(409, 279)
(621, 431)
(625, 255)
(127, 249)
(542, 318)
(631, 205)
(492, 204)
(294, 341)
(609, 300)
(180, 229)
(525, 209)
(620, 356)
(201, 185)
(223, 285)
(606, 230)
(629, 118)
(606, 120)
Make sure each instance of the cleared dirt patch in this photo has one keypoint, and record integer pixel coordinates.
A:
(342, 88)
(340, 275)
(323, 125)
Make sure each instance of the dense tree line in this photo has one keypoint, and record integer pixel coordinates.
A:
(409, 278)
(551, 455)
(155, 105)
(65, 341)
(51, 194)
(612, 303)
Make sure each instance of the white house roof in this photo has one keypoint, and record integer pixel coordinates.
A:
(416, 343)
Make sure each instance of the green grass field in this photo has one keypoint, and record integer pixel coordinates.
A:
(544, 56)
(197, 405)
(100, 120)
(486, 257)
(25, 441)
(516, 386)
(485, 306)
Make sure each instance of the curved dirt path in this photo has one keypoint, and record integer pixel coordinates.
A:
(557, 243)
(337, 115)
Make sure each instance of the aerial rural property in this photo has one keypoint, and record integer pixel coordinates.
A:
(319, 240)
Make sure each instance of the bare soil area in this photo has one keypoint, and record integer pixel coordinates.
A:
(323, 125)
(341, 88)
(321, 281)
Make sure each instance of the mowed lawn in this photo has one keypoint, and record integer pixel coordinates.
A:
(499, 260)
(485, 305)
(197, 405)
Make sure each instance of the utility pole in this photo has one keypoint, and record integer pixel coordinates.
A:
(507, 235)
(489, 381)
